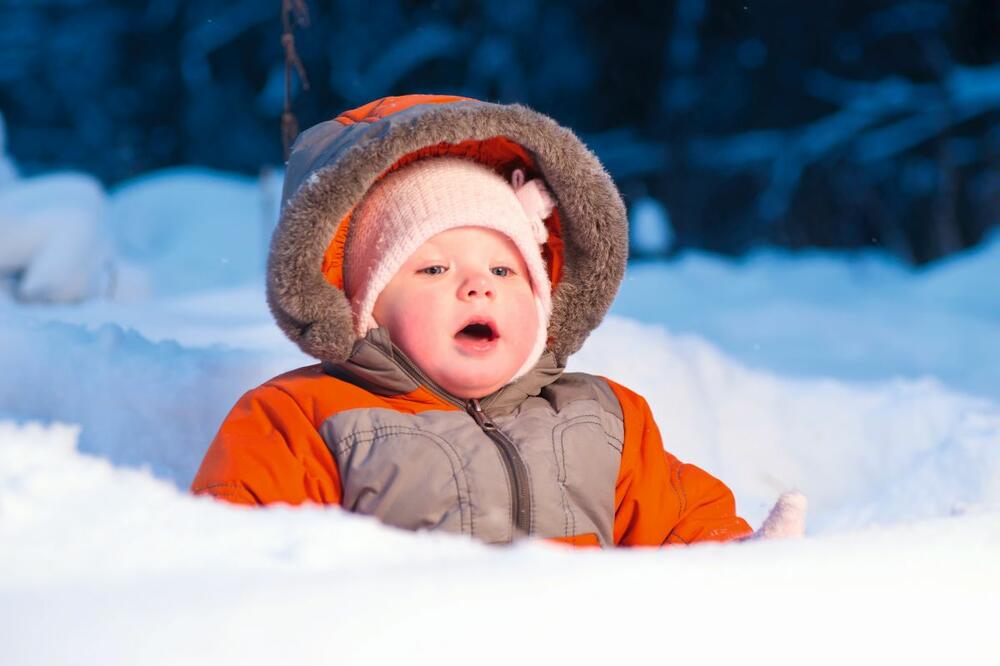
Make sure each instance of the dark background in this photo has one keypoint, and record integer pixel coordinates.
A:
(832, 124)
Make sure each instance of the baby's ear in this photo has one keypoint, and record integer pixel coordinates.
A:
(787, 518)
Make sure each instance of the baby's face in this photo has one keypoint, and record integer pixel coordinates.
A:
(462, 309)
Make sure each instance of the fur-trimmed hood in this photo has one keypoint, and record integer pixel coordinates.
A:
(333, 164)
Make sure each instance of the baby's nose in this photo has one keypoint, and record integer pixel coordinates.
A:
(477, 286)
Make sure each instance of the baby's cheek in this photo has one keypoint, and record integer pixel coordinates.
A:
(416, 328)
(524, 318)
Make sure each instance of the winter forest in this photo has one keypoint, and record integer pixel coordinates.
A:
(843, 125)
(811, 303)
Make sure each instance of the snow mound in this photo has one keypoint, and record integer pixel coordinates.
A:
(54, 242)
(855, 316)
(139, 403)
(127, 569)
(863, 453)
(192, 229)
(48, 489)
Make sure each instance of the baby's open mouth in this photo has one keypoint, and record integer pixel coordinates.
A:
(479, 330)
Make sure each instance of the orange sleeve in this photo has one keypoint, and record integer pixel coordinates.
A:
(660, 500)
(268, 450)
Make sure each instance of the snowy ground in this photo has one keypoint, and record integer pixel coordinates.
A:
(873, 388)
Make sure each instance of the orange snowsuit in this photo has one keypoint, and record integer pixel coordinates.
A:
(564, 456)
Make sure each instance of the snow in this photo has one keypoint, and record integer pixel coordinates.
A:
(856, 316)
(871, 387)
(192, 227)
(863, 453)
(162, 578)
(54, 236)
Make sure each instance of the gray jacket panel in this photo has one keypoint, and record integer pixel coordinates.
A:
(439, 470)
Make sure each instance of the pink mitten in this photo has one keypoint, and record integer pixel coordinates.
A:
(787, 518)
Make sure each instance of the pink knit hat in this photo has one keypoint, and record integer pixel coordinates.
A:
(409, 206)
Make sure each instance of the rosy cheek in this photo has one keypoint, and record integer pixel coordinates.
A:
(526, 317)
(412, 327)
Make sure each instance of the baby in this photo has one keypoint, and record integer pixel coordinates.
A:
(442, 257)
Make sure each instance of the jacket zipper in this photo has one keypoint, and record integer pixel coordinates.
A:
(420, 378)
(517, 471)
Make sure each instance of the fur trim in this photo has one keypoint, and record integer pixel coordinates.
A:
(332, 166)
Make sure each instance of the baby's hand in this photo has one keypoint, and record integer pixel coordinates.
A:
(787, 518)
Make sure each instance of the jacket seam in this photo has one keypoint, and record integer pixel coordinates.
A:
(226, 489)
(230, 486)
(678, 486)
(380, 431)
(532, 526)
(227, 495)
(569, 506)
(569, 516)
(596, 420)
(561, 475)
(570, 526)
(278, 387)
(616, 440)
(673, 537)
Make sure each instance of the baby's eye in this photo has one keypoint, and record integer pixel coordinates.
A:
(433, 270)
(501, 271)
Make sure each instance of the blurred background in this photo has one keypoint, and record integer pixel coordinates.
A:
(728, 125)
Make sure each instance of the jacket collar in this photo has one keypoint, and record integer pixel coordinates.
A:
(377, 365)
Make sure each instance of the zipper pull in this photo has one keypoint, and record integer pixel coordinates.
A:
(480, 416)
